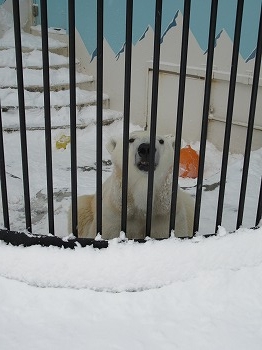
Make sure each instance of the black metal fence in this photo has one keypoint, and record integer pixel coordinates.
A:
(17, 238)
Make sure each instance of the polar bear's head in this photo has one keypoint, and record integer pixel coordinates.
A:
(139, 153)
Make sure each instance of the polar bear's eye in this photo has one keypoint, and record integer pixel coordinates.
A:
(131, 140)
(161, 142)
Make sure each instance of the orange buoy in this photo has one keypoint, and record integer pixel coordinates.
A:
(188, 165)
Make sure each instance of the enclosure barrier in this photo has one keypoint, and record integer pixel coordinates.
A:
(27, 239)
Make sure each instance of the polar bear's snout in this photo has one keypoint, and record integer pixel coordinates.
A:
(143, 155)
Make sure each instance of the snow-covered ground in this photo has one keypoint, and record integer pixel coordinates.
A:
(200, 294)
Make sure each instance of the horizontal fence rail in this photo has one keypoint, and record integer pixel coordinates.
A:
(28, 237)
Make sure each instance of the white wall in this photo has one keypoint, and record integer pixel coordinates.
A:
(25, 7)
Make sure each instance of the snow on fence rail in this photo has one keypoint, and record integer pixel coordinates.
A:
(29, 239)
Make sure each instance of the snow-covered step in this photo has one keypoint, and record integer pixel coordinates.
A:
(58, 99)
(32, 59)
(31, 42)
(54, 33)
(35, 118)
(33, 79)
(36, 30)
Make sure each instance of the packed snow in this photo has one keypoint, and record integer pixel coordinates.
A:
(208, 295)
(132, 266)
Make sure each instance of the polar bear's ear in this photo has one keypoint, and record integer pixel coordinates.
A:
(111, 145)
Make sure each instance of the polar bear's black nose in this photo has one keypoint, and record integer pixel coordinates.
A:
(142, 158)
(143, 150)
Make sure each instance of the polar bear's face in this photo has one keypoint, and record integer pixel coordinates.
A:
(139, 147)
(139, 152)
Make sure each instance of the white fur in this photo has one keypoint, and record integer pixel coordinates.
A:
(137, 196)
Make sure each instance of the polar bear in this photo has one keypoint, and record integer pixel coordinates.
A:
(138, 166)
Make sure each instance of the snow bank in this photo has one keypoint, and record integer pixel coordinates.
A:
(132, 266)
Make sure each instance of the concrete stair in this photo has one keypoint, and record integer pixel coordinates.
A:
(58, 99)
(33, 59)
(33, 84)
(33, 79)
(32, 42)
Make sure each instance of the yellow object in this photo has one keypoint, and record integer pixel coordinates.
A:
(62, 142)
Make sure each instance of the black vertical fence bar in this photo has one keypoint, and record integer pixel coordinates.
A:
(72, 82)
(229, 114)
(128, 54)
(259, 206)
(48, 138)
(180, 111)
(251, 119)
(3, 177)
(203, 138)
(153, 123)
(21, 101)
(99, 113)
